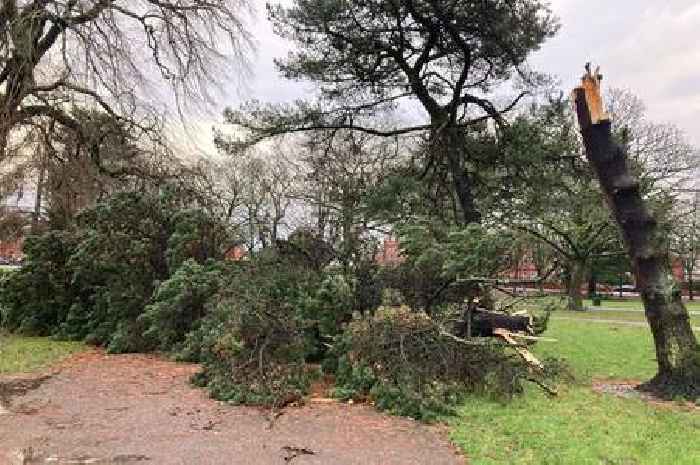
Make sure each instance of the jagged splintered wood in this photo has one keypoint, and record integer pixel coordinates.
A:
(590, 87)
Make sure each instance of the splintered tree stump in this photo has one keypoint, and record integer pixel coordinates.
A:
(677, 350)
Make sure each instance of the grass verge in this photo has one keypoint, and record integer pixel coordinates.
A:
(26, 354)
(581, 427)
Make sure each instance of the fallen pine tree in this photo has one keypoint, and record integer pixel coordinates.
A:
(409, 364)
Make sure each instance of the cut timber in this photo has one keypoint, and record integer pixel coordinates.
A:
(522, 351)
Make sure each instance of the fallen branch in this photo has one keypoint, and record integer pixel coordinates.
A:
(533, 338)
(273, 416)
(549, 390)
(449, 335)
(526, 355)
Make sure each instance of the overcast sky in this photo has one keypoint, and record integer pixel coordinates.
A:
(648, 46)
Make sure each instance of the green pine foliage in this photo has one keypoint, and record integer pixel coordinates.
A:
(405, 363)
(255, 340)
(180, 303)
(94, 281)
(35, 299)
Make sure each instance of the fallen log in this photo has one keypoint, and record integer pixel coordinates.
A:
(482, 323)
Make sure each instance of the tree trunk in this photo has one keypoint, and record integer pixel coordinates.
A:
(677, 350)
(452, 144)
(462, 185)
(577, 275)
(36, 217)
(348, 239)
(592, 285)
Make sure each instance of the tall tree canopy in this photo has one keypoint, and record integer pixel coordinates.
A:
(368, 56)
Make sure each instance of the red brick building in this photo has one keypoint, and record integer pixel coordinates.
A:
(389, 253)
(16, 211)
(11, 250)
(236, 253)
(524, 269)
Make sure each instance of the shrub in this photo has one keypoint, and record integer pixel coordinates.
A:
(328, 305)
(194, 234)
(369, 285)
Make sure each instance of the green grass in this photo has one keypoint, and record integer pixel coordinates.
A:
(578, 428)
(26, 354)
(601, 351)
(581, 427)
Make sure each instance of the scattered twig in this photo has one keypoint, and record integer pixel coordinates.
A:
(549, 390)
(449, 335)
(294, 452)
(273, 416)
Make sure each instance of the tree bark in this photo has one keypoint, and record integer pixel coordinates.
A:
(577, 275)
(677, 350)
(36, 217)
(592, 285)
(453, 144)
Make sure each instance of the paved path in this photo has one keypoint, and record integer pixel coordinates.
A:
(138, 409)
(612, 322)
(630, 310)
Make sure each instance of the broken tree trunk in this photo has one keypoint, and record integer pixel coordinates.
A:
(479, 322)
(677, 349)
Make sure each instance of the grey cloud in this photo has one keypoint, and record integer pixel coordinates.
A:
(648, 46)
(684, 87)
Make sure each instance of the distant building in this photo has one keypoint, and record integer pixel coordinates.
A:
(524, 270)
(11, 251)
(16, 210)
(236, 253)
(679, 272)
(389, 253)
(21, 201)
